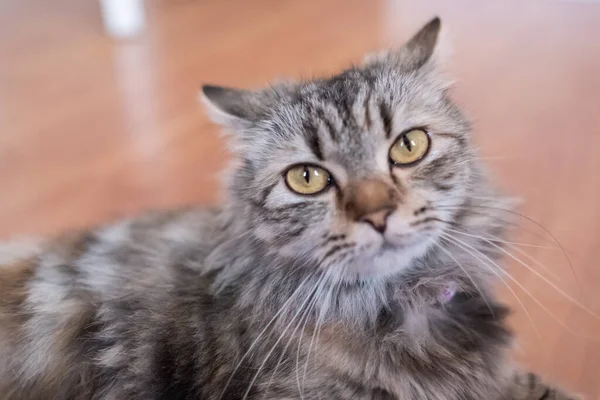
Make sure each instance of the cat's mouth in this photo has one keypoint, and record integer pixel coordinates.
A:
(387, 246)
(392, 254)
(399, 242)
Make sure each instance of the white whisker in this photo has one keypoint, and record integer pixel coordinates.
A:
(262, 365)
(304, 317)
(489, 240)
(548, 282)
(317, 301)
(505, 221)
(536, 262)
(544, 308)
(319, 322)
(485, 299)
(562, 248)
(466, 246)
(255, 342)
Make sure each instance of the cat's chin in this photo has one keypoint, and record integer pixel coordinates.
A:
(393, 256)
(396, 243)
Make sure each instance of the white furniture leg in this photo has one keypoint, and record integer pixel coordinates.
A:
(123, 18)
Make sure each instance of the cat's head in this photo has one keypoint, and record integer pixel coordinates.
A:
(359, 173)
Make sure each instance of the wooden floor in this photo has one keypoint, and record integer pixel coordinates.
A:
(93, 130)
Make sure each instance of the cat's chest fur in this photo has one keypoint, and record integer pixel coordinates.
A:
(449, 348)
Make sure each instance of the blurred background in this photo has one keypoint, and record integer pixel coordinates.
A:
(94, 128)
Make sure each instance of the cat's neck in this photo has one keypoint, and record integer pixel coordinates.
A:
(266, 283)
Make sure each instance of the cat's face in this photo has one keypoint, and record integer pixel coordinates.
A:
(358, 173)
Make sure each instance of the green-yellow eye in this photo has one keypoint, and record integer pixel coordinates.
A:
(307, 179)
(410, 147)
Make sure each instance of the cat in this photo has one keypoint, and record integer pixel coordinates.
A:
(353, 259)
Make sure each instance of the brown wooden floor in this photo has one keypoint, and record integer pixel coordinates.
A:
(92, 130)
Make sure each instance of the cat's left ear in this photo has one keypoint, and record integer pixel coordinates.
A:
(424, 48)
(421, 47)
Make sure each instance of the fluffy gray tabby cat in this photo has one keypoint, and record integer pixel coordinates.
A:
(351, 261)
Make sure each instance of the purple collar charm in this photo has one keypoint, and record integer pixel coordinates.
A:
(447, 293)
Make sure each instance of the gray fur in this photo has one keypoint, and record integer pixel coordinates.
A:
(277, 295)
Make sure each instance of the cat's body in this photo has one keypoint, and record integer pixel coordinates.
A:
(125, 312)
(279, 295)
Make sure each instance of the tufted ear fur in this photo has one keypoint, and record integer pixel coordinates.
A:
(226, 105)
(428, 52)
(240, 109)
(422, 48)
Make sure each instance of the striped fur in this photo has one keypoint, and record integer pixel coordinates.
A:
(276, 295)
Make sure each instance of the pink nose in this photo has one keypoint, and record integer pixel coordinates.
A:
(371, 201)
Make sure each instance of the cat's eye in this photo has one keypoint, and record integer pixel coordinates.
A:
(410, 148)
(307, 179)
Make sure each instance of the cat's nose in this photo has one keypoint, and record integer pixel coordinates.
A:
(371, 201)
(378, 220)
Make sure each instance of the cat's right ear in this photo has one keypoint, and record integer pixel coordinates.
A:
(232, 108)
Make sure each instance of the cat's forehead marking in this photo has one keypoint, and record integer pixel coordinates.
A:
(351, 120)
(347, 123)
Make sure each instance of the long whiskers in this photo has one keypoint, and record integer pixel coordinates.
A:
(260, 335)
(466, 273)
(319, 322)
(466, 247)
(317, 298)
(565, 254)
(492, 241)
(532, 270)
(508, 222)
(262, 365)
(312, 339)
(304, 318)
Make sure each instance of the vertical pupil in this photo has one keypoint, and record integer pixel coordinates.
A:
(407, 143)
(306, 174)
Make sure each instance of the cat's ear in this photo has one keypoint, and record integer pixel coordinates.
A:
(232, 107)
(240, 110)
(421, 49)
